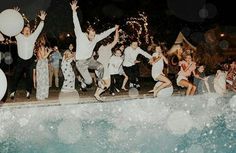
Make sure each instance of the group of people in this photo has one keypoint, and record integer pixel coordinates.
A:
(116, 64)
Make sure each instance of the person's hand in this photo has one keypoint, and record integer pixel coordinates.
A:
(151, 61)
(42, 15)
(73, 5)
(117, 26)
(161, 54)
(136, 61)
(50, 50)
(205, 78)
(16, 8)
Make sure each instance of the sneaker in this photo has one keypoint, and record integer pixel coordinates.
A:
(27, 94)
(83, 85)
(12, 95)
(137, 86)
(131, 85)
(117, 90)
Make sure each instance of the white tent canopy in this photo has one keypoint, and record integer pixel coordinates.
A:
(180, 40)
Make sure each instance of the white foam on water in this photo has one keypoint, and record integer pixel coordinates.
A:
(195, 149)
(69, 131)
(232, 102)
(230, 120)
(179, 122)
(127, 126)
(69, 97)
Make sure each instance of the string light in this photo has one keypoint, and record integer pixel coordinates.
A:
(135, 26)
(138, 24)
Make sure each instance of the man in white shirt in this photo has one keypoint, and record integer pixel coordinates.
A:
(25, 47)
(129, 64)
(85, 43)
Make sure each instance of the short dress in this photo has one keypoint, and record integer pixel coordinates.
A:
(157, 68)
(183, 75)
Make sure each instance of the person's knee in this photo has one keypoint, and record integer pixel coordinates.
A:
(194, 87)
(168, 82)
(190, 85)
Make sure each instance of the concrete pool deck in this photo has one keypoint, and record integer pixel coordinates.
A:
(57, 99)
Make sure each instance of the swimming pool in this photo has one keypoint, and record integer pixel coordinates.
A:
(199, 124)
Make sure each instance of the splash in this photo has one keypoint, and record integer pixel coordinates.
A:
(204, 123)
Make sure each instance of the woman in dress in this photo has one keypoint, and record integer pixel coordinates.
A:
(68, 73)
(41, 75)
(115, 63)
(187, 67)
(122, 72)
(157, 62)
(201, 80)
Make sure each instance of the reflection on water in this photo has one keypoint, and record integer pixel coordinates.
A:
(199, 124)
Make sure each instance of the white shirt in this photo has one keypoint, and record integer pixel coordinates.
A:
(115, 64)
(25, 45)
(130, 55)
(84, 47)
(104, 54)
(157, 67)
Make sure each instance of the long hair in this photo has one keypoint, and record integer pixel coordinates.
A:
(41, 41)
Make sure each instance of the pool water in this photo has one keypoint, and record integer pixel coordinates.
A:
(199, 124)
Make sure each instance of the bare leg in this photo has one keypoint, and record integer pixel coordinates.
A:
(124, 82)
(186, 84)
(150, 91)
(166, 83)
(97, 94)
(193, 90)
(107, 83)
(207, 85)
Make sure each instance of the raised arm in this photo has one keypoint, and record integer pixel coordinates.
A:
(38, 30)
(106, 33)
(77, 26)
(116, 38)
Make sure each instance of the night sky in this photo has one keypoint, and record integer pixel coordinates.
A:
(165, 17)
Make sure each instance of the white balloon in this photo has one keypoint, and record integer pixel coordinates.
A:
(166, 92)
(3, 84)
(11, 22)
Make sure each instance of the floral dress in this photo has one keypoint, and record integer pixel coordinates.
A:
(42, 89)
(69, 76)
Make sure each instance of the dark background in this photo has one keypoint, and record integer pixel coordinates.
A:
(165, 17)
